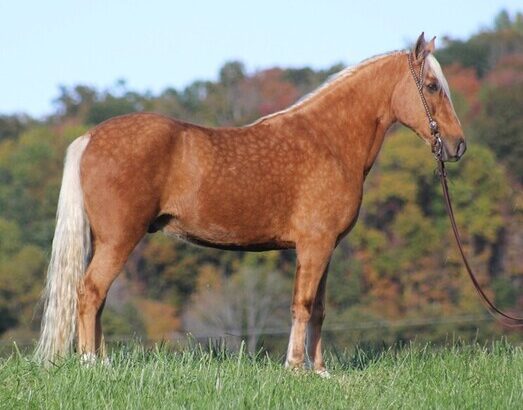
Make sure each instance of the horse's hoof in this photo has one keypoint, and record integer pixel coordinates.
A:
(323, 373)
(88, 359)
(296, 368)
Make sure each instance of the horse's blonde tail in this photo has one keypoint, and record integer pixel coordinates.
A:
(70, 255)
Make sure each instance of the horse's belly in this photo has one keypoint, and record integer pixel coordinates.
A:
(234, 236)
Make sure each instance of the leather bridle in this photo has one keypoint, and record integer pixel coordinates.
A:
(437, 149)
(437, 144)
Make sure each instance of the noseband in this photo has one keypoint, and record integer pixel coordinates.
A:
(437, 149)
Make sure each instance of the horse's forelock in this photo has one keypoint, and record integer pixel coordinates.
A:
(434, 65)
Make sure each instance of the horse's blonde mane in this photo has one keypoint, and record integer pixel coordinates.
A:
(336, 78)
(332, 81)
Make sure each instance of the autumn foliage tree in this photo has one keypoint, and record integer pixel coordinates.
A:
(397, 266)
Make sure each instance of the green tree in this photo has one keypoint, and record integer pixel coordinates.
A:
(500, 125)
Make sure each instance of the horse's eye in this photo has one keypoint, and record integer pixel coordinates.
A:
(433, 87)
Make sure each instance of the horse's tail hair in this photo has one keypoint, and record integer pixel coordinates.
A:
(71, 252)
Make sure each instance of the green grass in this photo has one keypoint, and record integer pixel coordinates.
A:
(464, 377)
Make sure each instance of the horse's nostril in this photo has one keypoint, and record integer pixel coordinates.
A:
(462, 147)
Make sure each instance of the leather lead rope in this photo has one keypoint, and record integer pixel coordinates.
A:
(506, 319)
(437, 148)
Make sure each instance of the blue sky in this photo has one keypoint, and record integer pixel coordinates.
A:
(156, 44)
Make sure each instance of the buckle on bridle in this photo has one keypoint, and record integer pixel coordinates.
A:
(437, 147)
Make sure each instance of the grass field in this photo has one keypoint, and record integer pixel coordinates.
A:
(411, 377)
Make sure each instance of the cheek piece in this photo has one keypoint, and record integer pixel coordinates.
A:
(437, 145)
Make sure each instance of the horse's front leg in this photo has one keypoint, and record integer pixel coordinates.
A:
(312, 259)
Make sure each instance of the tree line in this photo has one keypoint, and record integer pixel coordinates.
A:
(397, 266)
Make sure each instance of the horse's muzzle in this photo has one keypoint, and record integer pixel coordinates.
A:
(453, 154)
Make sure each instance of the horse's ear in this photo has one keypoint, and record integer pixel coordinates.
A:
(417, 51)
(422, 48)
(431, 46)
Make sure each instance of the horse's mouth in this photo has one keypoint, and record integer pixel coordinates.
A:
(459, 150)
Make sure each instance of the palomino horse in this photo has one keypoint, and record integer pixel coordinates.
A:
(293, 179)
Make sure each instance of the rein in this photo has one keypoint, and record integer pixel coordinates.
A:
(437, 147)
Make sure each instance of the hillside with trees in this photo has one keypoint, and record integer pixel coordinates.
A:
(397, 276)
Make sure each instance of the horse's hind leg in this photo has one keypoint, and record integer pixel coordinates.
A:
(99, 342)
(313, 258)
(107, 262)
(315, 324)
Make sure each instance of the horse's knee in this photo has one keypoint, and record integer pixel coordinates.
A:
(302, 310)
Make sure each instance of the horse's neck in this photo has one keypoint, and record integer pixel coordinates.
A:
(353, 114)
